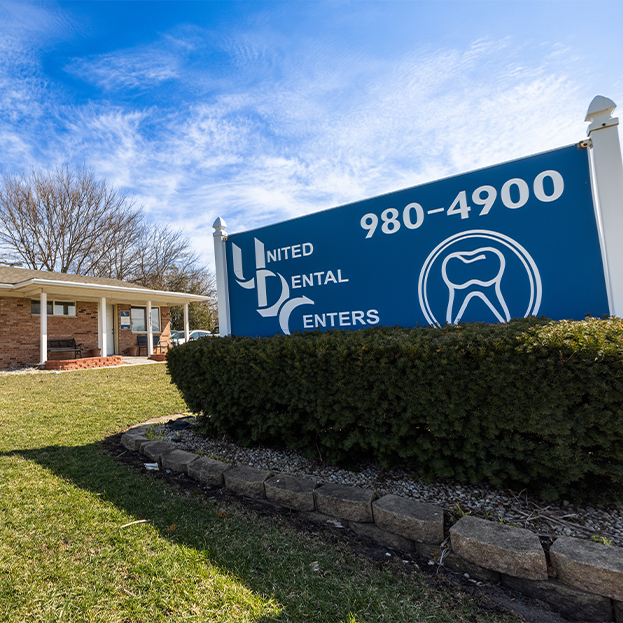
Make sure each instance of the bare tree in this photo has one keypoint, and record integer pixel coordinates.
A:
(64, 220)
(163, 258)
(166, 263)
(202, 315)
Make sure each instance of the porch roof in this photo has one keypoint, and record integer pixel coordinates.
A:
(22, 282)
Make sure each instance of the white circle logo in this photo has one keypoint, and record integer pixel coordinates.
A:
(479, 275)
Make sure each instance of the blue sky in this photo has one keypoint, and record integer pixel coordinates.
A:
(261, 111)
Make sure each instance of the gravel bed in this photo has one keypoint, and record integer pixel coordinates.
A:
(548, 520)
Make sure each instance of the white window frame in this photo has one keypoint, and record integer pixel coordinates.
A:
(53, 304)
(154, 329)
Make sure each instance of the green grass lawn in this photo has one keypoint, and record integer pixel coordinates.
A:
(64, 555)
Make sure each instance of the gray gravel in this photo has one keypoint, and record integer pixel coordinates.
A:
(511, 507)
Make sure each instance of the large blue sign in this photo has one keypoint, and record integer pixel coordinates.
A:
(509, 241)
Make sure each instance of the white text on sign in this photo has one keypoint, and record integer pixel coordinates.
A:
(288, 253)
(323, 278)
(514, 194)
(341, 319)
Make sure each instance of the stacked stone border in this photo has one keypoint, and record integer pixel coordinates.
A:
(83, 364)
(87, 363)
(580, 579)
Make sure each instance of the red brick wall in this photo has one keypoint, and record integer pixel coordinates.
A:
(84, 363)
(19, 335)
(19, 331)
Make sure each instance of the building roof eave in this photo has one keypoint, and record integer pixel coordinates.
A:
(85, 291)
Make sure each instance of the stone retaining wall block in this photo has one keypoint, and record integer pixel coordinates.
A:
(291, 491)
(178, 460)
(155, 450)
(382, 537)
(349, 503)
(414, 520)
(458, 564)
(572, 602)
(247, 480)
(142, 429)
(132, 441)
(590, 566)
(208, 471)
(502, 548)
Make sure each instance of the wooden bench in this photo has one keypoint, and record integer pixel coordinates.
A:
(67, 344)
(157, 344)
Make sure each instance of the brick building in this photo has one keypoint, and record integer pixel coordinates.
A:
(106, 314)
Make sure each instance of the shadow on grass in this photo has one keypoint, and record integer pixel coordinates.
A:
(228, 542)
(272, 562)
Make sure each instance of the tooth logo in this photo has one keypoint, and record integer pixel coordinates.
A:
(284, 305)
(479, 275)
(476, 287)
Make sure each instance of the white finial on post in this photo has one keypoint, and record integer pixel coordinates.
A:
(222, 289)
(219, 224)
(608, 185)
(599, 113)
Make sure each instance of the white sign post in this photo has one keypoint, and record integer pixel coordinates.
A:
(222, 290)
(608, 188)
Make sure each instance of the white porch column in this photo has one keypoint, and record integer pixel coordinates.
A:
(222, 289)
(186, 323)
(608, 186)
(43, 327)
(150, 332)
(102, 327)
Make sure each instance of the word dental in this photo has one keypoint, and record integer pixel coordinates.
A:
(303, 281)
(344, 319)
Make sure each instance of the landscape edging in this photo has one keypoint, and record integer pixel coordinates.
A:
(134, 439)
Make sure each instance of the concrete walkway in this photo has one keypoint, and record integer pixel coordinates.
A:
(137, 361)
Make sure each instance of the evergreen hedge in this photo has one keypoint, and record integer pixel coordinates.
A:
(530, 404)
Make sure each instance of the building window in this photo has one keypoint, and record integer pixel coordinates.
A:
(55, 308)
(64, 309)
(138, 318)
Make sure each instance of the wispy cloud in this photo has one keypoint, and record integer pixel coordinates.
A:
(133, 70)
(278, 128)
(424, 117)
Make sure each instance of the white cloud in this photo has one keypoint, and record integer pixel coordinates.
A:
(128, 70)
(282, 131)
(423, 118)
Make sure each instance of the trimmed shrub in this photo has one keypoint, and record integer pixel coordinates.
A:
(530, 404)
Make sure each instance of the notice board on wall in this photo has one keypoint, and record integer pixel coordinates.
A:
(509, 241)
(124, 316)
